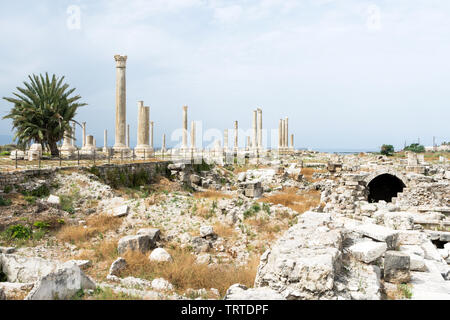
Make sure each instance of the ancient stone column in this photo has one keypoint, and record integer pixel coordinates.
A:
(142, 148)
(67, 149)
(283, 136)
(185, 129)
(163, 148)
(259, 125)
(254, 129)
(236, 144)
(225, 140)
(147, 128)
(192, 136)
(89, 147)
(292, 141)
(152, 124)
(141, 125)
(128, 135)
(286, 133)
(121, 106)
(248, 143)
(280, 135)
(105, 141)
(84, 134)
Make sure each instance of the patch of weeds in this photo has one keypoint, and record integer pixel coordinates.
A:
(78, 295)
(18, 231)
(4, 202)
(266, 208)
(7, 189)
(30, 199)
(405, 289)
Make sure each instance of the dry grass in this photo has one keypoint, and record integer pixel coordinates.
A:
(95, 225)
(290, 198)
(308, 173)
(185, 273)
(211, 194)
(102, 254)
(268, 230)
(224, 231)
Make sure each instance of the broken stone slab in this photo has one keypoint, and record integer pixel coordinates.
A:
(61, 284)
(206, 231)
(7, 250)
(429, 285)
(83, 264)
(200, 244)
(379, 233)
(241, 292)
(153, 233)
(411, 237)
(431, 252)
(2, 294)
(54, 200)
(121, 211)
(25, 269)
(160, 255)
(397, 267)
(368, 251)
(16, 291)
(161, 284)
(137, 242)
(118, 265)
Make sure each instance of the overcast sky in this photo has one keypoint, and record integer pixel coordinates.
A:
(349, 74)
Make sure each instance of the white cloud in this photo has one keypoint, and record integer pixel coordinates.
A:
(228, 14)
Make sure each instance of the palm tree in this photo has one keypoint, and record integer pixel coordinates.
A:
(42, 111)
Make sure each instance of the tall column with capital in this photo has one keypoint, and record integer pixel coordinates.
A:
(121, 105)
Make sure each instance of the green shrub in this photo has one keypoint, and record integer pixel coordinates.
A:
(4, 202)
(30, 199)
(18, 231)
(67, 203)
(387, 149)
(415, 147)
(7, 189)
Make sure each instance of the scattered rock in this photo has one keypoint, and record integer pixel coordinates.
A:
(161, 284)
(121, 211)
(241, 292)
(368, 251)
(62, 283)
(160, 255)
(137, 242)
(396, 267)
(118, 265)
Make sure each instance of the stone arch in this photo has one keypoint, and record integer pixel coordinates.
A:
(384, 186)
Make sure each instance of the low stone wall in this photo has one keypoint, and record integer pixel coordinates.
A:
(9, 179)
(107, 172)
(130, 173)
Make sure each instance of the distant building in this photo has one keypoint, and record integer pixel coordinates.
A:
(442, 147)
